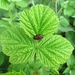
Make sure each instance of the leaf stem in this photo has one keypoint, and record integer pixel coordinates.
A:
(10, 14)
(59, 12)
(35, 61)
(35, 69)
(56, 6)
(33, 2)
(70, 72)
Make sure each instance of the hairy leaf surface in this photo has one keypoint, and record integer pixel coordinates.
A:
(17, 44)
(54, 50)
(39, 19)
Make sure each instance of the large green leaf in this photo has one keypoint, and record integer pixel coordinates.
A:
(54, 50)
(17, 44)
(14, 73)
(39, 19)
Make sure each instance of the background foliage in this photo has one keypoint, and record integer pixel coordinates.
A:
(10, 11)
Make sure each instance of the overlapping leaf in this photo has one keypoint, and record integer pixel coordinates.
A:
(39, 19)
(17, 44)
(54, 50)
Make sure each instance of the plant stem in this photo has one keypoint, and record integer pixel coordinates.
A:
(70, 72)
(35, 69)
(56, 6)
(59, 12)
(33, 2)
(35, 61)
(10, 14)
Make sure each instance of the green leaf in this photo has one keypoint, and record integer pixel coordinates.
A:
(63, 21)
(39, 19)
(0, 47)
(1, 58)
(67, 70)
(22, 3)
(17, 45)
(69, 11)
(73, 72)
(17, 67)
(15, 73)
(71, 37)
(3, 25)
(11, 6)
(71, 61)
(4, 4)
(64, 4)
(72, 3)
(74, 22)
(4, 22)
(54, 71)
(2, 29)
(66, 29)
(54, 50)
(3, 13)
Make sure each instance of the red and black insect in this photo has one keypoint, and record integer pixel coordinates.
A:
(38, 37)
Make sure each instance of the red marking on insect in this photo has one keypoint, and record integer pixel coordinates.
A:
(38, 37)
